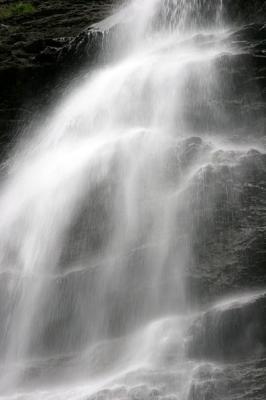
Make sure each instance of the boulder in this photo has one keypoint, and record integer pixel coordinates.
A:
(233, 330)
(227, 225)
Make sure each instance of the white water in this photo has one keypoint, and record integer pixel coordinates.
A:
(94, 210)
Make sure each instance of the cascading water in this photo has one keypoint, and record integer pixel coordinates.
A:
(96, 215)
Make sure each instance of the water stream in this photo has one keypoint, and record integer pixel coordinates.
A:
(96, 215)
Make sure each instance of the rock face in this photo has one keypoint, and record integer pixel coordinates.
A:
(231, 382)
(244, 11)
(244, 81)
(228, 242)
(231, 331)
(227, 340)
(39, 51)
(26, 38)
(231, 337)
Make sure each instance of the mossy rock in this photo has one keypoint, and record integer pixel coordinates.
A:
(15, 9)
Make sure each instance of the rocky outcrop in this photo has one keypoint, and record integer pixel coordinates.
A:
(228, 225)
(39, 53)
(233, 330)
(51, 25)
(236, 104)
(230, 340)
(244, 11)
(243, 380)
(242, 77)
(43, 50)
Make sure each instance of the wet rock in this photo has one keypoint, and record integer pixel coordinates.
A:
(227, 226)
(138, 393)
(50, 57)
(87, 46)
(105, 394)
(231, 331)
(237, 101)
(245, 380)
(191, 150)
(239, 11)
(39, 53)
(154, 394)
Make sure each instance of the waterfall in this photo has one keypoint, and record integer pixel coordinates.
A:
(97, 214)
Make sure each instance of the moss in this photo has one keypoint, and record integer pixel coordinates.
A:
(15, 9)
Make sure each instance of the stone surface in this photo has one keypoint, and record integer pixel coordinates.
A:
(243, 380)
(231, 331)
(243, 11)
(39, 53)
(228, 225)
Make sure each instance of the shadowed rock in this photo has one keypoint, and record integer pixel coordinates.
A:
(232, 331)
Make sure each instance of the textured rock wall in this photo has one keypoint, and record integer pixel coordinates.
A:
(39, 52)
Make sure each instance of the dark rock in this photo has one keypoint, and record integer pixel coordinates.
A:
(48, 55)
(227, 225)
(39, 53)
(232, 331)
(237, 101)
(244, 380)
(243, 11)
(191, 150)
(247, 378)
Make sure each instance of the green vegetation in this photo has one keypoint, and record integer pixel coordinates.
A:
(17, 8)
